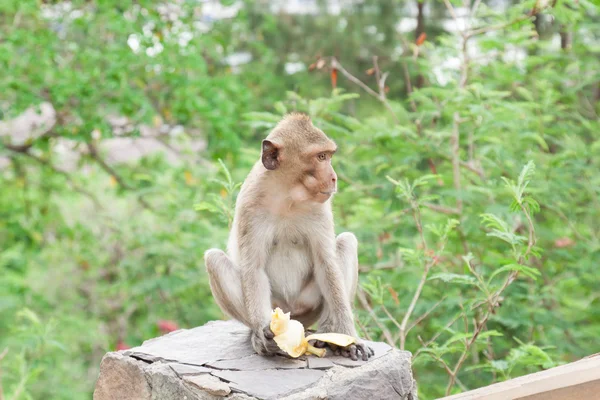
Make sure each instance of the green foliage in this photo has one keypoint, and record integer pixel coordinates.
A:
(474, 191)
(223, 204)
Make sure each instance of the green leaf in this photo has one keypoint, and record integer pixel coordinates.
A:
(525, 93)
(532, 273)
(450, 277)
(29, 315)
(280, 108)
(206, 206)
(489, 333)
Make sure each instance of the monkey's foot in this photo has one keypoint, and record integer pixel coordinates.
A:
(354, 351)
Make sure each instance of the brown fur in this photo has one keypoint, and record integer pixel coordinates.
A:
(282, 249)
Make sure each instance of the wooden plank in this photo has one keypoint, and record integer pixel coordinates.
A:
(579, 380)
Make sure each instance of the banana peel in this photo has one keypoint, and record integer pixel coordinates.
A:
(289, 336)
(336, 338)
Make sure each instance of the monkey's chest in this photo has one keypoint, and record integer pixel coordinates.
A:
(290, 271)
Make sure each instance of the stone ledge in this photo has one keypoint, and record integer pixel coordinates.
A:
(216, 361)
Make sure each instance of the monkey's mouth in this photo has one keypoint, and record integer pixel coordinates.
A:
(329, 193)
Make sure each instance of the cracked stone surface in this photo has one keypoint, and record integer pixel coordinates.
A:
(183, 369)
(319, 363)
(210, 384)
(255, 362)
(217, 361)
(270, 383)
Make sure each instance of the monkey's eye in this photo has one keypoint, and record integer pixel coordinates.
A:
(322, 156)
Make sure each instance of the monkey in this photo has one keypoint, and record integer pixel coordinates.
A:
(282, 249)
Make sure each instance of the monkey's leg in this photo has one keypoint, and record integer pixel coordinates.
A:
(311, 305)
(347, 254)
(225, 284)
(345, 264)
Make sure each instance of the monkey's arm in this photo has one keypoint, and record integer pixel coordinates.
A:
(257, 296)
(256, 292)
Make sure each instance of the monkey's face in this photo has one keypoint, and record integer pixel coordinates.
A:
(319, 178)
(309, 172)
(301, 154)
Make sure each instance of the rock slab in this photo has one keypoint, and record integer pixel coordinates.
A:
(217, 361)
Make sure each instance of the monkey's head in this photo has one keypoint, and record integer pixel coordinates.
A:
(300, 155)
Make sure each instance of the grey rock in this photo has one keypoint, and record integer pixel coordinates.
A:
(142, 356)
(255, 362)
(271, 383)
(183, 369)
(319, 363)
(121, 150)
(217, 360)
(34, 122)
(346, 362)
(165, 384)
(375, 380)
(379, 348)
(175, 143)
(386, 378)
(4, 162)
(219, 340)
(121, 377)
(209, 384)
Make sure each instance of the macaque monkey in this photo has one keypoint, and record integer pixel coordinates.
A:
(282, 249)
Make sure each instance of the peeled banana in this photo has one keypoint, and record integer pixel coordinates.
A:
(289, 336)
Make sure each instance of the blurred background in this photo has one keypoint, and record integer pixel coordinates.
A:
(469, 170)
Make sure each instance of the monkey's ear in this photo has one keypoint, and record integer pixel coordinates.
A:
(270, 155)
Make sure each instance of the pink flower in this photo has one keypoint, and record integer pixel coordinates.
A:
(167, 326)
(563, 242)
(122, 346)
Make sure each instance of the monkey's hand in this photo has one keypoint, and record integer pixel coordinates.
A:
(263, 343)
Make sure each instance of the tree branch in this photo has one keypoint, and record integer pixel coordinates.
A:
(75, 186)
(411, 307)
(485, 29)
(2, 355)
(494, 303)
(335, 64)
(111, 171)
(425, 315)
(385, 331)
(442, 209)
(455, 148)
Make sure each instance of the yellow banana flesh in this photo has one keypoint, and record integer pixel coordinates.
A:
(289, 336)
